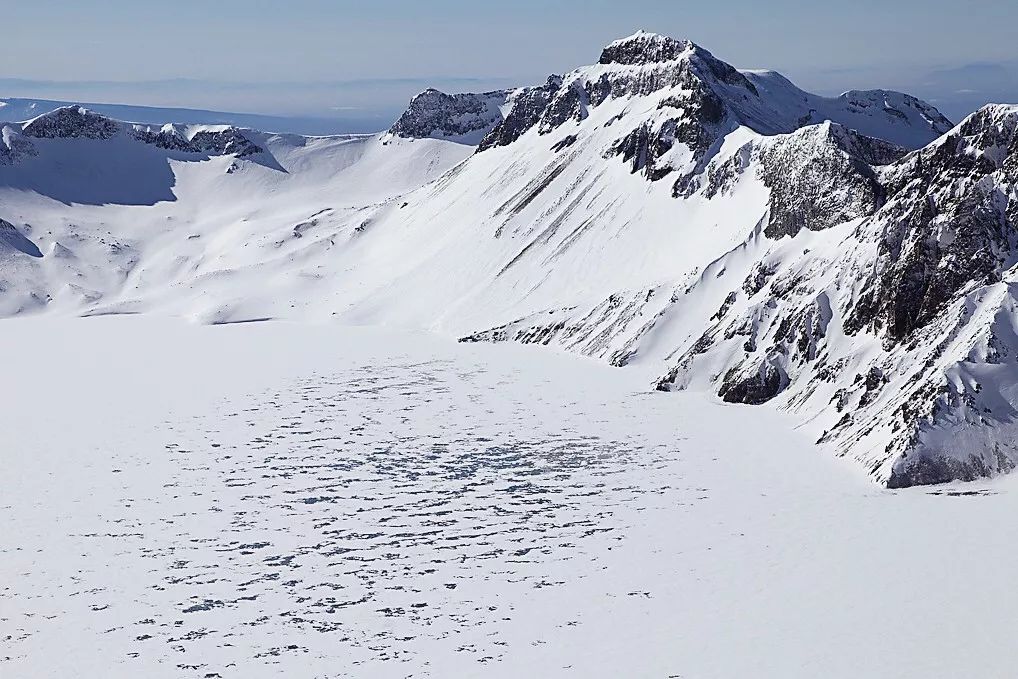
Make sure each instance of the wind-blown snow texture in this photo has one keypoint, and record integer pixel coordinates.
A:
(316, 500)
(849, 259)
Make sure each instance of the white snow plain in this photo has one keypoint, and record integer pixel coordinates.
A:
(313, 500)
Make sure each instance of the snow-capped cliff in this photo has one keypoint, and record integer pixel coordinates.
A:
(465, 118)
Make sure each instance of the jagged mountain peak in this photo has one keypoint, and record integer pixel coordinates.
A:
(998, 113)
(983, 143)
(679, 93)
(990, 132)
(872, 151)
(644, 47)
(71, 121)
(464, 117)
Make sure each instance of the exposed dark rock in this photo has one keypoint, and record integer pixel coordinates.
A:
(698, 127)
(758, 278)
(926, 470)
(803, 332)
(949, 225)
(569, 103)
(14, 146)
(635, 148)
(71, 122)
(820, 176)
(436, 114)
(719, 179)
(725, 306)
(168, 139)
(872, 384)
(755, 387)
(564, 143)
(589, 332)
(644, 48)
(649, 48)
(228, 141)
(528, 105)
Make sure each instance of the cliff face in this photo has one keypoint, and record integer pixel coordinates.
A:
(458, 117)
(898, 328)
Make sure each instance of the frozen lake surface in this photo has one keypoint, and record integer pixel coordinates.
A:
(317, 501)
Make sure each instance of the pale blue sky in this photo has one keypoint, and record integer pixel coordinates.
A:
(320, 57)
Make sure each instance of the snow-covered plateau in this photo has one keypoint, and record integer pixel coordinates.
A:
(314, 500)
(270, 406)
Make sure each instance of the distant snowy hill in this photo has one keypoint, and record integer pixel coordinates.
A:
(850, 259)
(24, 109)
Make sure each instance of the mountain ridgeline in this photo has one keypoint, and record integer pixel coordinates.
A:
(850, 259)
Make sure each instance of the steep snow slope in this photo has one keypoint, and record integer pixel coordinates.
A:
(722, 228)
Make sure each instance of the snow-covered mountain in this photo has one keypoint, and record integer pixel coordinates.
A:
(847, 258)
(17, 108)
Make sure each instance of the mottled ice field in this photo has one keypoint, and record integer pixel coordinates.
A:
(276, 499)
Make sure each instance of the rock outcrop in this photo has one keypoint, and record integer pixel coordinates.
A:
(467, 117)
(71, 122)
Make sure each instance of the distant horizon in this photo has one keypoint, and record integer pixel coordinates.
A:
(352, 77)
(380, 101)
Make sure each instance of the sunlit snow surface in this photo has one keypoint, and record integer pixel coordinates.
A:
(271, 499)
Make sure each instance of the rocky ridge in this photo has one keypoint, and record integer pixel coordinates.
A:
(461, 117)
(75, 122)
(868, 328)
